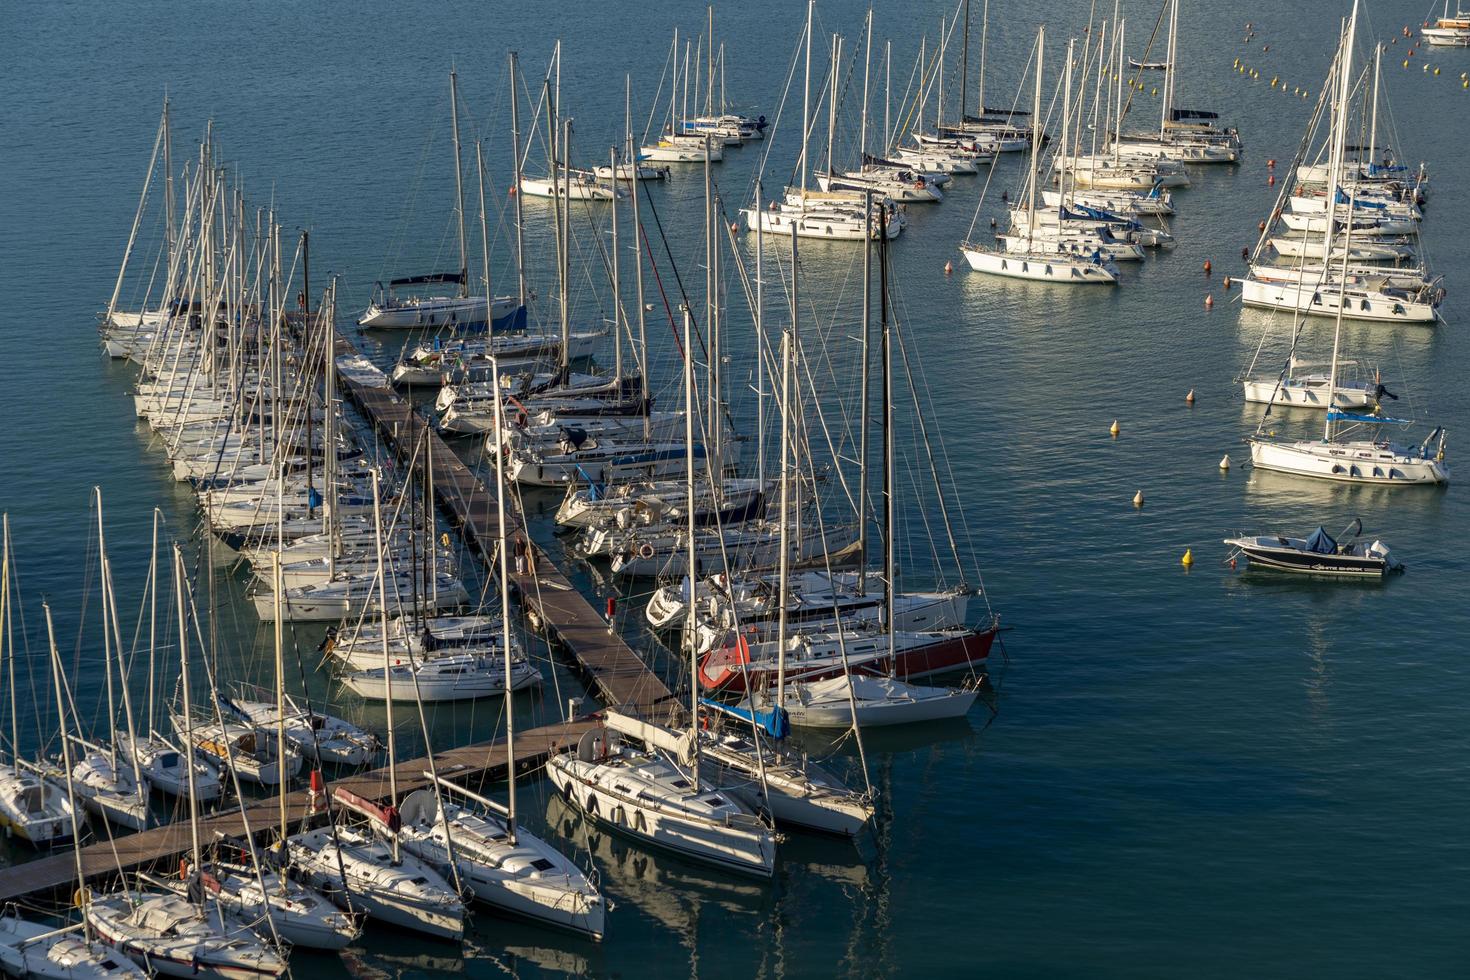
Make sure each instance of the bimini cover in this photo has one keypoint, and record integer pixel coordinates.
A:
(1321, 543)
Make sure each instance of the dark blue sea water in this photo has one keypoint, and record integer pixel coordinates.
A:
(1188, 773)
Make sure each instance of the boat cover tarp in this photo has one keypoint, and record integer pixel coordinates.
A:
(1178, 115)
(1321, 543)
(987, 111)
(773, 720)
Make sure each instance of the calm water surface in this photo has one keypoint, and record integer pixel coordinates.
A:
(1189, 773)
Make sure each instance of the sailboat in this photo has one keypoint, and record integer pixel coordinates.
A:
(1022, 256)
(29, 949)
(655, 792)
(31, 808)
(389, 309)
(679, 141)
(366, 870)
(1374, 460)
(1185, 135)
(160, 929)
(1448, 31)
(833, 215)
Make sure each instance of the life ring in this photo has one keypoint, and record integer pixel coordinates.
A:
(645, 550)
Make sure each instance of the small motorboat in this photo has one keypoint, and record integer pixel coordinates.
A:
(1319, 553)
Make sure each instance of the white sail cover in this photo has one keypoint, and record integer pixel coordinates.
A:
(680, 746)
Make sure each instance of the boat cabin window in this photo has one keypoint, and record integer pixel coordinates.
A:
(541, 864)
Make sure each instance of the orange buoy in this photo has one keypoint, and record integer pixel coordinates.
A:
(948, 268)
(1189, 398)
(1207, 266)
(1226, 283)
(1271, 164)
(1271, 181)
(1261, 226)
(1209, 301)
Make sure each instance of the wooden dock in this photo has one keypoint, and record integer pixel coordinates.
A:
(614, 670)
(148, 850)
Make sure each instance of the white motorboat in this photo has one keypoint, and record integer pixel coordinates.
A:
(640, 792)
(1318, 553)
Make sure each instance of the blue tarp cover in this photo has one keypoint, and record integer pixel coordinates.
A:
(1321, 543)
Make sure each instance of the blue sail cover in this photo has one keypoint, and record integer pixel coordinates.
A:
(773, 721)
(1360, 203)
(1338, 415)
(1321, 543)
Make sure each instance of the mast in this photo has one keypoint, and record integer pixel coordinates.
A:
(964, 62)
(709, 99)
(887, 93)
(760, 342)
(862, 497)
(1035, 136)
(1335, 176)
(984, 37)
(1373, 115)
(127, 698)
(71, 794)
(832, 103)
(637, 259)
(693, 558)
(674, 90)
(387, 658)
(169, 211)
(1168, 99)
(783, 562)
(888, 513)
(1066, 118)
(464, 285)
(867, 67)
(188, 733)
(9, 617)
(806, 111)
(1118, 99)
(617, 279)
(564, 263)
(515, 145)
(502, 559)
(280, 664)
(138, 218)
(106, 636)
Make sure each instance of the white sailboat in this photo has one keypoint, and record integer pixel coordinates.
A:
(158, 928)
(1024, 256)
(364, 872)
(1374, 460)
(655, 793)
(31, 808)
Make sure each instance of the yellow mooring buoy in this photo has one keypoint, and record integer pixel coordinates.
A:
(1225, 462)
(1138, 499)
(1188, 558)
(1114, 430)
